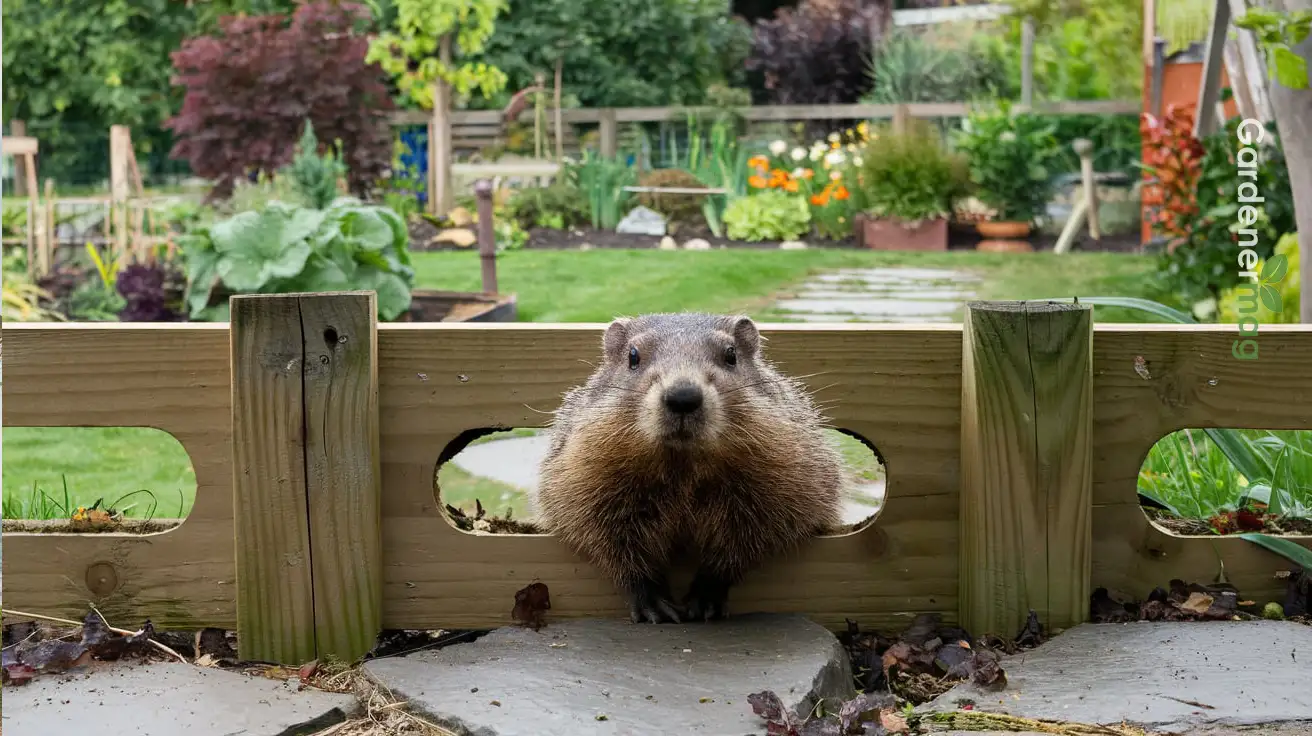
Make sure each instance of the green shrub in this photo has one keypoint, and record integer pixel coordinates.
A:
(314, 176)
(769, 215)
(287, 248)
(679, 208)
(919, 67)
(602, 182)
(910, 176)
(1011, 158)
(558, 206)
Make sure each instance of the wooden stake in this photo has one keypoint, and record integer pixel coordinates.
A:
(439, 140)
(1084, 149)
(609, 133)
(560, 127)
(18, 129)
(1026, 465)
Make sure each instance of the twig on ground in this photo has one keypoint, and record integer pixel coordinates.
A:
(115, 629)
(981, 721)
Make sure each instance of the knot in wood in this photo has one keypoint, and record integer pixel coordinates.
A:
(101, 578)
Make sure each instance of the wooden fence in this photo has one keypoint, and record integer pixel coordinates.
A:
(1012, 445)
(470, 131)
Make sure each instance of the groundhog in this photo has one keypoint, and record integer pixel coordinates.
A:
(685, 441)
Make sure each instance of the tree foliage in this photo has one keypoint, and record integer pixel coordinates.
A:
(410, 52)
(251, 87)
(819, 52)
(620, 53)
(74, 68)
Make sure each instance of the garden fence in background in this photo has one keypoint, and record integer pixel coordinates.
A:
(473, 133)
(1013, 444)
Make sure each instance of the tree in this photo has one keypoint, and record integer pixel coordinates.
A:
(251, 87)
(411, 53)
(1284, 35)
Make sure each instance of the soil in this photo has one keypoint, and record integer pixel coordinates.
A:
(960, 237)
(1209, 527)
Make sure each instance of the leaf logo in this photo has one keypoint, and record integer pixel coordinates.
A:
(1273, 272)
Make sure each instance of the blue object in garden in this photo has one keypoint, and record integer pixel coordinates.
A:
(414, 161)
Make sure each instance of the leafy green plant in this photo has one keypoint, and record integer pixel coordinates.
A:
(771, 215)
(314, 176)
(602, 182)
(1277, 33)
(409, 52)
(1011, 158)
(1200, 263)
(286, 248)
(1274, 296)
(909, 176)
(558, 206)
(916, 67)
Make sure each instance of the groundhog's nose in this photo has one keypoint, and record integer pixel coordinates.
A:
(683, 398)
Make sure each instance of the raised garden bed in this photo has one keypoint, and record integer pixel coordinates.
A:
(428, 305)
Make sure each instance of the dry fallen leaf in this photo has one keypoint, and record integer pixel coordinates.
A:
(531, 605)
(1197, 603)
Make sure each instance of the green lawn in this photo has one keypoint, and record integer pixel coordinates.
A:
(597, 285)
(553, 286)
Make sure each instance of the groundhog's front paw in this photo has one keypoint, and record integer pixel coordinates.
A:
(707, 598)
(651, 602)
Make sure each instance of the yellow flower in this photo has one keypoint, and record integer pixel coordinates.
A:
(863, 128)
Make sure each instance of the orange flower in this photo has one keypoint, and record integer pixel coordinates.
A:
(757, 182)
(841, 193)
(778, 178)
(821, 199)
(758, 162)
(791, 186)
(807, 173)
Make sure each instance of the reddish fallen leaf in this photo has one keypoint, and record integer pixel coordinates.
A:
(864, 707)
(987, 672)
(18, 673)
(907, 658)
(308, 670)
(54, 656)
(531, 605)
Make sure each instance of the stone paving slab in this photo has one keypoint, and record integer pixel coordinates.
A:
(1245, 672)
(584, 677)
(167, 699)
(869, 307)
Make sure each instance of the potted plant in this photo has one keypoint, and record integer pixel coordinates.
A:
(906, 184)
(1011, 159)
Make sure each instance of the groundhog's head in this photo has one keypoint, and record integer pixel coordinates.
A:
(679, 378)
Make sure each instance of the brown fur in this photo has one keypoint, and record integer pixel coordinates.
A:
(755, 480)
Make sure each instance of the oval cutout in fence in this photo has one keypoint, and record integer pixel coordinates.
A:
(496, 471)
(132, 474)
(1229, 481)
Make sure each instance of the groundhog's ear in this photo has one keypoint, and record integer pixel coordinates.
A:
(746, 336)
(616, 338)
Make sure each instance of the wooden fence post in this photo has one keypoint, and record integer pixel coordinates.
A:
(439, 139)
(18, 129)
(306, 475)
(609, 133)
(1026, 462)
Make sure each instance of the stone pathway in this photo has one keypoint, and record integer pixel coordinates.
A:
(169, 698)
(514, 461)
(880, 295)
(583, 677)
(1190, 678)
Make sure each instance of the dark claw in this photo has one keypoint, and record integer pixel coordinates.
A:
(707, 598)
(651, 602)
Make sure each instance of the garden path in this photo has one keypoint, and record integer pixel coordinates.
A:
(879, 295)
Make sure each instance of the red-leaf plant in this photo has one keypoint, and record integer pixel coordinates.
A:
(251, 87)
(1173, 160)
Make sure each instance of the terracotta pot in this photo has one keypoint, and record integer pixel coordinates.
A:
(1008, 230)
(887, 233)
(1004, 237)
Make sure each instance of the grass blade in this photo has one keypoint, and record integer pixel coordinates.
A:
(1295, 553)
(1143, 305)
(1242, 454)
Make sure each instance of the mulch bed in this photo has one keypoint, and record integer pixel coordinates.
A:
(1233, 522)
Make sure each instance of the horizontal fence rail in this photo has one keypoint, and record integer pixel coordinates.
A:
(1021, 435)
(774, 113)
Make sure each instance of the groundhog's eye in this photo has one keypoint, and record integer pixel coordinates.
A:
(731, 355)
(633, 358)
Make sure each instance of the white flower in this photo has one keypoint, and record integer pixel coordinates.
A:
(818, 152)
(799, 153)
(778, 148)
(834, 138)
(834, 158)
(835, 175)
(856, 160)
(799, 172)
(1007, 136)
